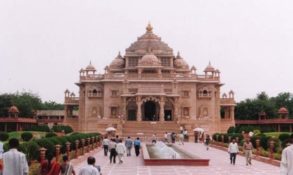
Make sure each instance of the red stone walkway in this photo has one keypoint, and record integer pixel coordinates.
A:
(219, 164)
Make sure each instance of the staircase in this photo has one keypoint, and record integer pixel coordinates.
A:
(145, 129)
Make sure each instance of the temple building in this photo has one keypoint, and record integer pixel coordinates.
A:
(149, 90)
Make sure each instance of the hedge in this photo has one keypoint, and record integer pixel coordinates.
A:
(60, 128)
(43, 128)
(3, 136)
(26, 136)
(51, 134)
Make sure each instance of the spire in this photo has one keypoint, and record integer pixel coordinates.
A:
(149, 27)
(178, 55)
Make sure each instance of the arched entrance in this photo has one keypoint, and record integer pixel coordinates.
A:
(150, 111)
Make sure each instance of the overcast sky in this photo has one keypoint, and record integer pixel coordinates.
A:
(44, 43)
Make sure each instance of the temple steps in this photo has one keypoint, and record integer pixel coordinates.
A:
(146, 129)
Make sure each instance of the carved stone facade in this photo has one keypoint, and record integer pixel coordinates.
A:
(150, 83)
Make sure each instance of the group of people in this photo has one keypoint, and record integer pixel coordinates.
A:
(117, 148)
(233, 150)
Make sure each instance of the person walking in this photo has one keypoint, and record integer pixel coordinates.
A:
(286, 164)
(207, 141)
(137, 146)
(247, 146)
(120, 149)
(106, 142)
(233, 150)
(128, 145)
(112, 148)
(154, 139)
(89, 169)
(15, 162)
(166, 137)
(66, 167)
(181, 139)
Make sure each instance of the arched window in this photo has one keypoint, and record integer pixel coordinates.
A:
(205, 93)
(95, 92)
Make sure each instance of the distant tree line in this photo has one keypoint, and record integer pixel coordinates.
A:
(26, 102)
(249, 109)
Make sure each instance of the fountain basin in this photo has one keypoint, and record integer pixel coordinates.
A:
(170, 155)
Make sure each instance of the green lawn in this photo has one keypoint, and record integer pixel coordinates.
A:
(276, 134)
(17, 134)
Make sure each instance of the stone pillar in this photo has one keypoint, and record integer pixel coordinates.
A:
(232, 113)
(57, 148)
(42, 154)
(68, 149)
(271, 147)
(82, 144)
(124, 108)
(138, 104)
(162, 104)
(76, 148)
(160, 73)
(88, 144)
(257, 141)
(175, 117)
(139, 73)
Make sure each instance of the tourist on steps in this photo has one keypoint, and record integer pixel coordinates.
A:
(137, 146)
(287, 159)
(154, 139)
(128, 145)
(120, 149)
(112, 148)
(106, 142)
(233, 150)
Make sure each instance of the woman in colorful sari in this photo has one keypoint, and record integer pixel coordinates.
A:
(55, 167)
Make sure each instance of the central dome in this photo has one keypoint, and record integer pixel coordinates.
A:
(149, 60)
(149, 42)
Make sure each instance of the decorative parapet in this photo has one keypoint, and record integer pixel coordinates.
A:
(227, 102)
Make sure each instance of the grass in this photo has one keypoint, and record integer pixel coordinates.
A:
(275, 134)
(17, 134)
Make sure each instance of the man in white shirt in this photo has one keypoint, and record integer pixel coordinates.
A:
(233, 151)
(106, 142)
(120, 149)
(14, 162)
(287, 159)
(89, 169)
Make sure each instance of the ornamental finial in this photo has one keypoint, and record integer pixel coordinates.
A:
(149, 27)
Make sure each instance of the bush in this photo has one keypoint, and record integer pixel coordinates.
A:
(61, 128)
(284, 138)
(46, 143)
(231, 129)
(26, 136)
(51, 134)
(3, 136)
(30, 149)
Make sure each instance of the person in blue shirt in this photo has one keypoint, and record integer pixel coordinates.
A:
(137, 146)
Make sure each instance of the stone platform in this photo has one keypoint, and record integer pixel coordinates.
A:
(219, 164)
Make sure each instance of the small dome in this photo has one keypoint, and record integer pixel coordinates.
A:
(13, 109)
(283, 110)
(149, 60)
(180, 62)
(209, 68)
(90, 67)
(117, 63)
